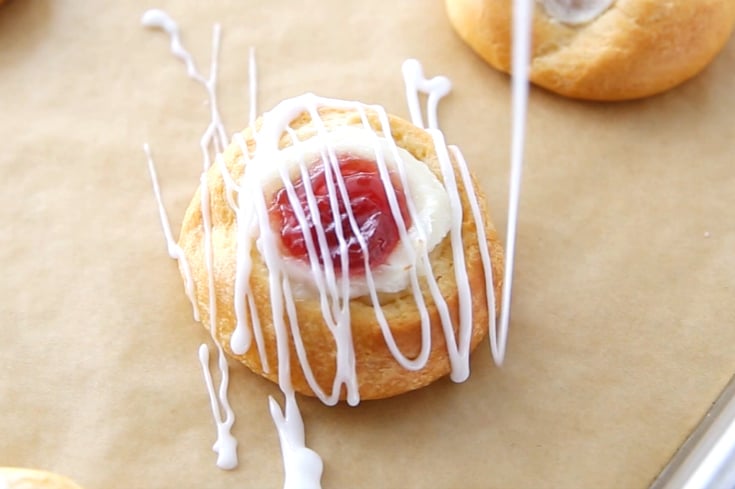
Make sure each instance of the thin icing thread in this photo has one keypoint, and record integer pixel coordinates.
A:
(213, 137)
(302, 466)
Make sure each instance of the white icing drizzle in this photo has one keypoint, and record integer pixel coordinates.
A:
(333, 287)
(214, 138)
(156, 18)
(435, 88)
(575, 12)
(430, 225)
(495, 348)
(226, 445)
(302, 466)
(521, 57)
(174, 250)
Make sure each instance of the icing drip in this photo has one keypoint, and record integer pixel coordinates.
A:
(302, 466)
(522, 22)
(174, 250)
(431, 201)
(332, 282)
(213, 139)
(226, 444)
(436, 88)
(496, 349)
(575, 11)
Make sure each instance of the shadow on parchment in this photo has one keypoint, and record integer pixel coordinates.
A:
(22, 24)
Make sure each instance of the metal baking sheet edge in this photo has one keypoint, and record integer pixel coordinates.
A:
(706, 460)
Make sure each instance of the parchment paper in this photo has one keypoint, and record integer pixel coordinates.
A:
(623, 319)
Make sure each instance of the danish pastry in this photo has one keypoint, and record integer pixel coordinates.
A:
(602, 49)
(15, 478)
(342, 250)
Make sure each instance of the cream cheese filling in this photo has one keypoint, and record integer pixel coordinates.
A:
(575, 11)
(429, 224)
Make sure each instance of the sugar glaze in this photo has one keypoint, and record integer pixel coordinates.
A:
(574, 12)
(302, 466)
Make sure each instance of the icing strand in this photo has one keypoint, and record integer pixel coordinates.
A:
(522, 21)
(422, 358)
(213, 137)
(323, 279)
(281, 303)
(284, 315)
(274, 124)
(333, 166)
(459, 354)
(435, 88)
(242, 337)
(302, 466)
(230, 185)
(160, 19)
(482, 244)
(458, 346)
(174, 250)
(226, 444)
(418, 256)
(331, 305)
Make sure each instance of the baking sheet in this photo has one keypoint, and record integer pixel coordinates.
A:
(622, 326)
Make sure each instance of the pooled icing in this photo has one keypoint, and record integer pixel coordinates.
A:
(575, 11)
(334, 287)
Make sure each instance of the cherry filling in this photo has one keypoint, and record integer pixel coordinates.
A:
(370, 208)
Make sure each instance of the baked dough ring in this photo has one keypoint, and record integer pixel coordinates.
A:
(379, 374)
(634, 49)
(15, 478)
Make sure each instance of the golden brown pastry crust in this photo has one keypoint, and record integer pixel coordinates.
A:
(634, 49)
(379, 375)
(15, 478)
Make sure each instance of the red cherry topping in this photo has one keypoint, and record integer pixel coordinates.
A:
(369, 204)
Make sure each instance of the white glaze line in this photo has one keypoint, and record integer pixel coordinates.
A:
(174, 250)
(156, 18)
(226, 445)
(435, 88)
(457, 345)
(230, 185)
(242, 337)
(274, 124)
(522, 21)
(214, 138)
(459, 351)
(333, 166)
(482, 244)
(302, 466)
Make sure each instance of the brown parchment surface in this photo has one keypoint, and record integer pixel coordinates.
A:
(623, 326)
